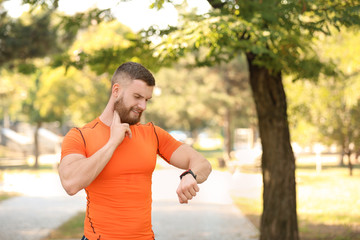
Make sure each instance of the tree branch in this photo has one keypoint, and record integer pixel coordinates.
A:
(217, 4)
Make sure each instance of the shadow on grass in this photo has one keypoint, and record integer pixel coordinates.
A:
(325, 166)
(312, 231)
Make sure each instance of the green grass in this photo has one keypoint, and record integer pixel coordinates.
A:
(73, 228)
(328, 204)
(5, 196)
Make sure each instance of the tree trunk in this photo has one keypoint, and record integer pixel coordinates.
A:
(36, 145)
(342, 154)
(227, 136)
(348, 150)
(227, 122)
(348, 153)
(350, 163)
(279, 217)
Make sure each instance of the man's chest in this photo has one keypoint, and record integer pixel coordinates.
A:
(135, 155)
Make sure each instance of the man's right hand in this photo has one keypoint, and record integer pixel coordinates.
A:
(118, 130)
(77, 171)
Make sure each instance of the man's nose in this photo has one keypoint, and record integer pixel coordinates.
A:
(142, 105)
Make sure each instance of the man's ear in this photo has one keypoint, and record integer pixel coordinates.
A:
(115, 91)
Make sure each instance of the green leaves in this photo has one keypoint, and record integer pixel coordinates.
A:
(279, 34)
(70, 25)
(103, 47)
(329, 107)
(21, 41)
(49, 4)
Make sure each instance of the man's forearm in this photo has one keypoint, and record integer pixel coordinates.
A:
(201, 167)
(97, 162)
(77, 173)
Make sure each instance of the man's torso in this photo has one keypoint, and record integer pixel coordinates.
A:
(119, 199)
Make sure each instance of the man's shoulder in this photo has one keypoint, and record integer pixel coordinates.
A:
(150, 126)
(153, 129)
(86, 128)
(91, 125)
(144, 128)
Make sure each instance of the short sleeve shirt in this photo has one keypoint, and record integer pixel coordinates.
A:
(119, 199)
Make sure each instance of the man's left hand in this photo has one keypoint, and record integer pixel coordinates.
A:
(187, 189)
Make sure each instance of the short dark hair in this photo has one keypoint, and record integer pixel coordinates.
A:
(132, 71)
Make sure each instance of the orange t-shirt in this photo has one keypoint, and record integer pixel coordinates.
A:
(119, 199)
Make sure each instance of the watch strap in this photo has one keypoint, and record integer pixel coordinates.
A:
(188, 172)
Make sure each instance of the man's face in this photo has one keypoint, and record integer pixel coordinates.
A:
(132, 101)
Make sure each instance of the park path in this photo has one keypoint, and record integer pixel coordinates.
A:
(211, 215)
(42, 206)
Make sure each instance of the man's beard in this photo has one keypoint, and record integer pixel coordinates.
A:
(124, 112)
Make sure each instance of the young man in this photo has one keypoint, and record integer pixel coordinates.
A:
(113, 158)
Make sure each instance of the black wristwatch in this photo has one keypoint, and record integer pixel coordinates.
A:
(188, 172)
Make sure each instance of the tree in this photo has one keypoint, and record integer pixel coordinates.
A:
(21, 42)
(300, 98)
(276, 37)
(234, 81)
(203, 98)
(339, 123)
(26, 46)
(330, 106)
(179, 86)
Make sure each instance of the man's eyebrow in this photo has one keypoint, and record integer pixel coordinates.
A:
(138, 94)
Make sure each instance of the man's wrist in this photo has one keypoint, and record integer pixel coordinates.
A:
(188, 172)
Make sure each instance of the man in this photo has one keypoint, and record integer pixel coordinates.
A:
(113, 158)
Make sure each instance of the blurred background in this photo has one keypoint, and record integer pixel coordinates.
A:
(57, 58)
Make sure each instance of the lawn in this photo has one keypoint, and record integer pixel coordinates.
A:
(73, 228)
(4, 196)
(328, 204)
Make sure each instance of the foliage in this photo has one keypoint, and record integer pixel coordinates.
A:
(300, 97)
(22, 39)
(96, 52)
(27, 46)
(49, 94)
(91, 60)
(330, 108)
(41, 33)
(103, 47)
(279, 33)
(13, 89)
(193, 99)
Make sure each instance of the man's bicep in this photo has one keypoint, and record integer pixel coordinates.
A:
(71, 158)
(181, 156)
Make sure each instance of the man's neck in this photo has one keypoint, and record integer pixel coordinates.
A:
(107, 115)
